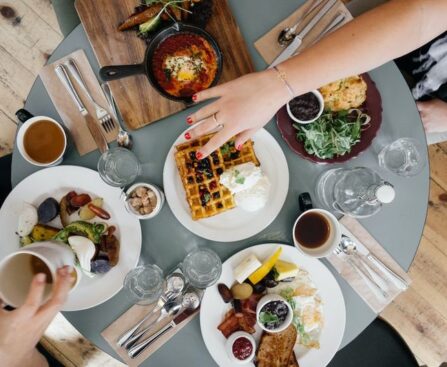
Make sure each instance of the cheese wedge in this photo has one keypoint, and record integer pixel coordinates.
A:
(285, 270)
(246, 267)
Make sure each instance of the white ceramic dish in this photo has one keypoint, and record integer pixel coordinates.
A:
(56, 182)
(158, 194)
(235, 224)
(213, 309)
(229, 347)
(271, 298)
(320, 112)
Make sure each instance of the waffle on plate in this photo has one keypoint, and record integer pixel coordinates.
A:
(205, 195)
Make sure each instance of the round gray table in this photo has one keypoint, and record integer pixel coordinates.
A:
(398, 227)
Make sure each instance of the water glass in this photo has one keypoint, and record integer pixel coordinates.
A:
(404, 157)
(202, 268)
(144, 284)
(119, 167)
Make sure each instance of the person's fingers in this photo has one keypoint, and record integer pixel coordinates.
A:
(203, 113)
(205, 127)
(215, 142)
(62, 286)
(35, 294)
(205, 94)
(244, 136)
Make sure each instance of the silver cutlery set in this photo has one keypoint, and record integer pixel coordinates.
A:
(103, 119)
(177, 301)
(376, 275)
(293, 40)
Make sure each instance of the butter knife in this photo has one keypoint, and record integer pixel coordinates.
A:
(90, 121)
(298, 40)
(136, 350)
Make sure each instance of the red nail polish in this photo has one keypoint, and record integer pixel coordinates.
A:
(194, 97)
(189, 120)
(239, 147)
(187, 136)
(199, 155)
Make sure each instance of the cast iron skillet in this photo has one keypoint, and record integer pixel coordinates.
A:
(114, 72)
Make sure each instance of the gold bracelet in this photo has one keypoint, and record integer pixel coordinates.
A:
(282, 75)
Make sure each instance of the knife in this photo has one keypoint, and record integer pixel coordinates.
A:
(90, 121)
(298, 40)
(137, 349)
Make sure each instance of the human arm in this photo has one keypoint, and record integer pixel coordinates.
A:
(21, 329)
(246, 104)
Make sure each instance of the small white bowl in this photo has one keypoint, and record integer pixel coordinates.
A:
(271, 298)
(229, 347)
(158, 194)
(320, 99)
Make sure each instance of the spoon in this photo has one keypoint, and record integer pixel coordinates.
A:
(289, 33)
(190, 302)
(350, 248)
(171, 308)
(124, 139)
(175, 284)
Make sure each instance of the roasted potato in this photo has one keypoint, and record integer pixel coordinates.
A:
(42, 232)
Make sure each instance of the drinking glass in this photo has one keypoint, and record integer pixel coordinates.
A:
(144, 284)
(404, 157)
(202, 268)
(119, 167)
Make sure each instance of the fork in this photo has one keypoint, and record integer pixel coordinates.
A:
(102, 115)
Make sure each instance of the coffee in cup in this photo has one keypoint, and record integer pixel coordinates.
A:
(316, 233)
(42, 141)
(18, 269)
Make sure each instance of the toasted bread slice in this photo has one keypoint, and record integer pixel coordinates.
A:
(276, 349)
(293, 361)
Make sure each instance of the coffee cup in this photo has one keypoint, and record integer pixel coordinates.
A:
(42, 141)
(316, 232)
(18, 269)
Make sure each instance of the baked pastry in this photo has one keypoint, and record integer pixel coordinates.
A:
(344, 94)
(204, 193)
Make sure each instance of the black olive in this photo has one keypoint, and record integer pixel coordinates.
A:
(259, 288)
(270, 283)
(225, 292)
(48, 210)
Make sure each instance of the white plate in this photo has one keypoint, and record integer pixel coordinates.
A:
(213, 308)
(235, 224)
(56, 182)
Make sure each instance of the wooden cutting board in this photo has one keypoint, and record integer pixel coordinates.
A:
(137, 101)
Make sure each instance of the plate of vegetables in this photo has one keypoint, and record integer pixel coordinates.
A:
(351, 119)
(73, 206)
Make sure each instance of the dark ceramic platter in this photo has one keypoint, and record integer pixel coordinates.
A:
(372, 106)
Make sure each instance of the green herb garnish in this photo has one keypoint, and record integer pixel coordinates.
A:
(287, 294)
(333, 134)
(225, 149)
(268, 318)
(240, 180)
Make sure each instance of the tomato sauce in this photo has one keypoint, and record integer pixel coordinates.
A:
(170, 58)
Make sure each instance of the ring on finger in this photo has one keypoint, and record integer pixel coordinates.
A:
(218, 125)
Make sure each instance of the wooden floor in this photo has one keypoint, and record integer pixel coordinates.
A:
(28, 35)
